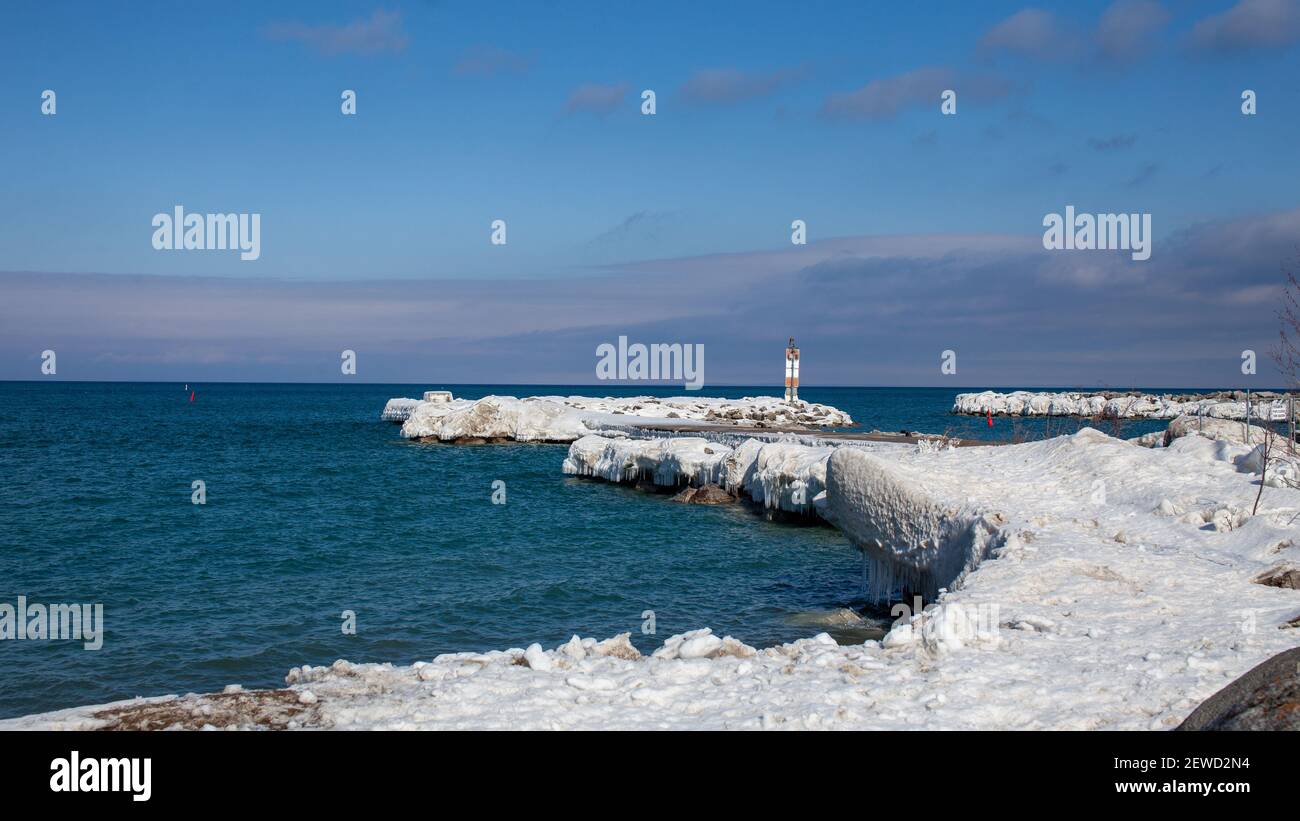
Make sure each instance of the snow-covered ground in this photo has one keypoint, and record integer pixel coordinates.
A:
(1109, 585)
(1142, 406)
(566, 418)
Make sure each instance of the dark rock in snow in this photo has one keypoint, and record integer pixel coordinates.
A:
(1283, 575)
(707, 495)
(1266, 697)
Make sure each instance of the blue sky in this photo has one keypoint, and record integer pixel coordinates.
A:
(530, 112)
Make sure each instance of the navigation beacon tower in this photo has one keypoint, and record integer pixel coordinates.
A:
(791, 372)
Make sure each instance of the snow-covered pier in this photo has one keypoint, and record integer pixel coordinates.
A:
(1263, 405)
(564, 419)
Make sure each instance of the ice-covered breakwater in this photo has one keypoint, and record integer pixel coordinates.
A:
(916, 534)
(398, 410)
(778, 475)
(1224, 405)
(564, 419)
(924, 515)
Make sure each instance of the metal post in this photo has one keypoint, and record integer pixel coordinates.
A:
(1248, 417)
(1290, 415)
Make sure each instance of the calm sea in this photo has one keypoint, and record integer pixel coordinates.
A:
(315, 507)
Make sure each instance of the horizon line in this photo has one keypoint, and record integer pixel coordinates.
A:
(1077, 388)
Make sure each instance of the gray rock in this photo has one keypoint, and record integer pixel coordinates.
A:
(706, 495)
(1266, 697)
(1283, 575)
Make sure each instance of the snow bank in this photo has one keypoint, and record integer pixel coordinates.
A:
(1110, 406)
(1241, 432)
(1251, 448)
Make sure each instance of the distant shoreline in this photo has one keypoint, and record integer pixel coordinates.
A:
(658, 386)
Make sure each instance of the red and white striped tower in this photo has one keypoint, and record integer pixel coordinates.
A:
(791, 372)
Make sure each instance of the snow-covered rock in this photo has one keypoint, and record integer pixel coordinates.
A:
(425, 419)
(567, 418)
(777, 475)
(398, 409)
(667, 462)
(1238, 432)
(1124, 406)
(761, 411)
(496, 418)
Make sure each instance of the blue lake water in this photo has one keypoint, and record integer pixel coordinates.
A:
(315, 507)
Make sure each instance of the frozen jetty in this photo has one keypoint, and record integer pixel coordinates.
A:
(915, 533)
(399, 410)
(1092, 583)
(1226, 405)
(778, 475)
(563, 419)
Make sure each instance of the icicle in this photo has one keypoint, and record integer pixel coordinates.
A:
(862, 588)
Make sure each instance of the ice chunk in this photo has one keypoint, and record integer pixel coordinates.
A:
(915, 535)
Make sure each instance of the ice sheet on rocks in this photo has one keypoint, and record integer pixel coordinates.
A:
(787, 476)
(668, 462)
(778, 475)
(919, 534)
(399, 409)
(1110, 610)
